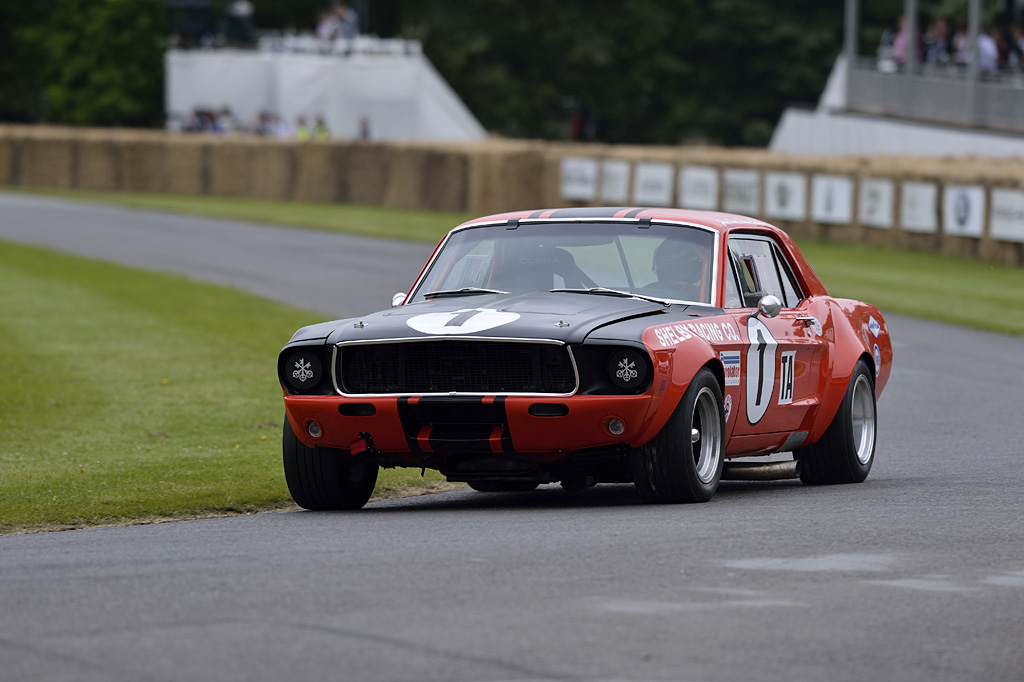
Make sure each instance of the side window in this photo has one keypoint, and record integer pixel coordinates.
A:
(732, 294)
(789, 285)
(758, 270)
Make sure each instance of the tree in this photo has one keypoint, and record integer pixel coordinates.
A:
(97, 62)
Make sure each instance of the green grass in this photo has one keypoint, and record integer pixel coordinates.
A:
(944, 288)
(933, 286)
(374, 221)
(128, 396)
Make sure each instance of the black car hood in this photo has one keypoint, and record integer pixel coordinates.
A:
(558, 316)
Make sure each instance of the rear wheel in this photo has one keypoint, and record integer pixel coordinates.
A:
(847, 450)
(323, 479)
(503, 486)
(683, 463)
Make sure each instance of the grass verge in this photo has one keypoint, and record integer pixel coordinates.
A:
(928, 285)
(129, 396)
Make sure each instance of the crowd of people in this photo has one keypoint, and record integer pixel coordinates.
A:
(338, 22)
(1000, 47)
(266, 124)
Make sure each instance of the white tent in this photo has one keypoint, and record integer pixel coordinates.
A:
(400, 94)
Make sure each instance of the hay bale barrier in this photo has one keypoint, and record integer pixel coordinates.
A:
(972, 208)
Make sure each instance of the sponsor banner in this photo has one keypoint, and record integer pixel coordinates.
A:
(785, 196)
(674, 334)
(919, 207)
(698, 187)
(614, 181)
(652, 184)
(731, 365)
(875, 203)
(1007, 220)
(832, 199)
(963, 210)
(742, 191)
(579, 178)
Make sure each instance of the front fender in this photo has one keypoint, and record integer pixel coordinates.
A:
(677, 354)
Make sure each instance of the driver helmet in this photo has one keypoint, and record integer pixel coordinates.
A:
(678, 262)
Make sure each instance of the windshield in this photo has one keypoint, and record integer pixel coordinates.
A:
(672, 262)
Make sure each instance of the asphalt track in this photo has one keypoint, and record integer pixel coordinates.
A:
(916, 574)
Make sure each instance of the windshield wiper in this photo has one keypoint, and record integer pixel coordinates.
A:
(604, 291)
(464, 291)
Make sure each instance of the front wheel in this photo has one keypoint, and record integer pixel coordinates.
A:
(683, 463)
(323, 479)
(846, 451)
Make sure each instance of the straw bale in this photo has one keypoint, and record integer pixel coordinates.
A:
(367, 174)
(406, 169)
(48, 160)
(316, 176)
(230, 168)
(956, 245)
(142, 165)
(8, 160)
(445, 184)
(273, 170)
(184, 167)
(99, 164)
(506, 181)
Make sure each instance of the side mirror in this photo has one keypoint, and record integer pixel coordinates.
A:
(769, 306)
(397, 300)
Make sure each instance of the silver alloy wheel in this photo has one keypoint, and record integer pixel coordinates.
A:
(863, 418)
(707, 448)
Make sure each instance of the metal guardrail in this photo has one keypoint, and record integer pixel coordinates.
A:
(938, 95)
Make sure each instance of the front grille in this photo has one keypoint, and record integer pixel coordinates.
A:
(462, 366)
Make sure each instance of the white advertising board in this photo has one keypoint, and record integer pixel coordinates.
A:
(742, 191)
(1007, 221)
(614, 181)
(785, 196)
(579, 178)
(652, 184)
(698, 187)
(875, 204)
(832, 199)
(963, 210)
(919, 207)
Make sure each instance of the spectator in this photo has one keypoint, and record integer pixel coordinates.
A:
(281, 129)
(961, 44)
(1016, 45)
(937, 42)
(320, 131)
(327, 28)
(365, 131)
(988, 51)
(899, 42)
(302, 131)
(226, 121)
(348, 21)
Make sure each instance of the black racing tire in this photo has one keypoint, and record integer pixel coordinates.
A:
(325, 479)
(847, 450)
(675, 467)
(503, 486)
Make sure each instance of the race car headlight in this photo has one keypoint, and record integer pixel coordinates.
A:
(627, 368)
(302, 370)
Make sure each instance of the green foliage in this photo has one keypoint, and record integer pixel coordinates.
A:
(97, 62)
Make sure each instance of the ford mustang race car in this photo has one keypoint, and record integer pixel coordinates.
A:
(591, 345)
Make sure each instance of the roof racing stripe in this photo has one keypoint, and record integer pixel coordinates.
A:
(536, 214)
(634, 213)
(587, 212)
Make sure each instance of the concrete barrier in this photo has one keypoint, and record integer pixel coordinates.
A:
(962, 207)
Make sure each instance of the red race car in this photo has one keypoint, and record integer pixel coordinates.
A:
(590, 345)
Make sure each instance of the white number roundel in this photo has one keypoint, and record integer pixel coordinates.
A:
(467, 321)
(760, 369)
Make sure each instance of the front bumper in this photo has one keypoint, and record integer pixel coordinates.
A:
(417, 428)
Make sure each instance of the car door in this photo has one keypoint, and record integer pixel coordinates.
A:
(780, 357)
